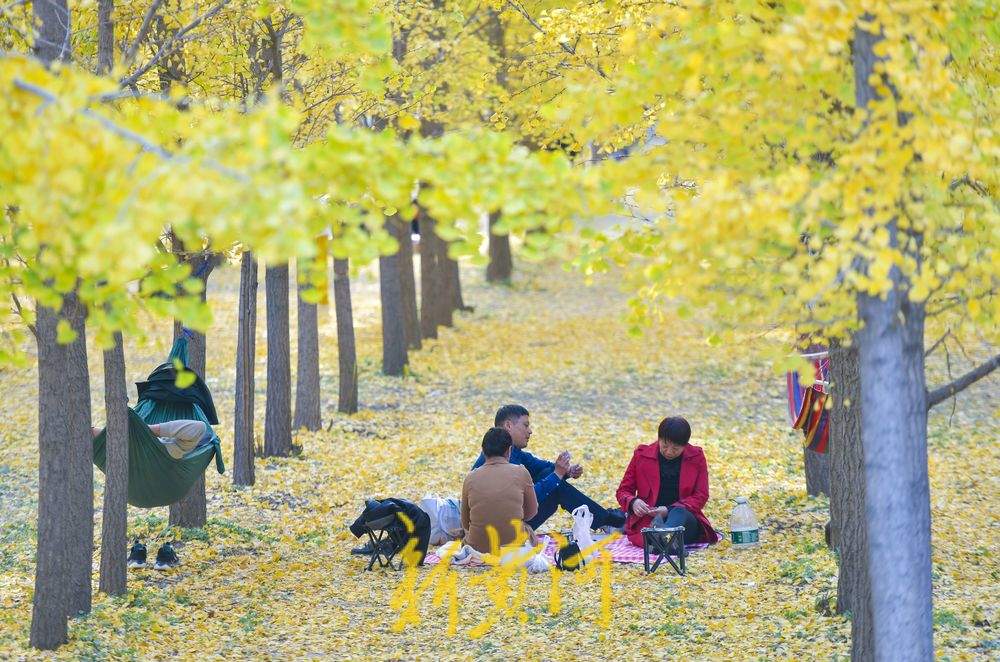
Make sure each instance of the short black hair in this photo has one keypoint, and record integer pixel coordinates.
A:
(507, 412)
(675, 430)
(496, 441)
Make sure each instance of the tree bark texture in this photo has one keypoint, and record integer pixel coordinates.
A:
(114, 540)
(307, 386)
(817, 470)
(501, 265)
(394, 353)
(347, 400)
(408, 285)
(192, 511)
(894, 435)
(278, 408)
(52, 41)
(105, 36)
(847, 500)
(454, 277)
(246, 344)
(65, 477)
(435, 301)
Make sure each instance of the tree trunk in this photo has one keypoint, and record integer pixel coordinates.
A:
(347, 400)
(105, 36)
(394, 354)
(454, 278)
(246, 344)
(817, 467)
(191, 511)
(278, 408)
(501, 265)
(894, 435)
(429, 299)
(65, 477)
(307, 387)
(411, 318)
(847, 500)
(114, 541)
(435, 297)
(52, 41)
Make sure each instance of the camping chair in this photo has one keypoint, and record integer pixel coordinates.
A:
(662, 542)
(384, 530)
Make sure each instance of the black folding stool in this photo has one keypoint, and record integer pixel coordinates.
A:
(662, 542)
(384, 530)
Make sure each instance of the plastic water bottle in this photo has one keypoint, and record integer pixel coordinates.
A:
(743, 526)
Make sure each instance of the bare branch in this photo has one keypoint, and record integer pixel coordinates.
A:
(140, 36)
(128, 134)
(939, 395)
(171, 44)
(937, 343)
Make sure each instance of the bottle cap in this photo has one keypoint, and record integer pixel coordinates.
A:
(742, 500)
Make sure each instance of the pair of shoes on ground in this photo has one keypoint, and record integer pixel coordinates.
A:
(166, 557)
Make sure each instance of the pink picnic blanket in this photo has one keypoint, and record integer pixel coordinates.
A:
(622, 551)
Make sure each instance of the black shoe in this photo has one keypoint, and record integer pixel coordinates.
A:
(166, 557)
(137, 555)
(614, 520)
(367, 549)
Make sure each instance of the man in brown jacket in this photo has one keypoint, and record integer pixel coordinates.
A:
(497, 495)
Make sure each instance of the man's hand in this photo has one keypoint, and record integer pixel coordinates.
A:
(575, 471)
(640, 508)
(562, 464)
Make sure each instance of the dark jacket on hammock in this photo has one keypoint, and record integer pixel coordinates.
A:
(161, 386)
(378, 508)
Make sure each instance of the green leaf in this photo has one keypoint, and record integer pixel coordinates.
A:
(185, 378)
(64, 332)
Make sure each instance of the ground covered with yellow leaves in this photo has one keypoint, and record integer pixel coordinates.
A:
(270, 575)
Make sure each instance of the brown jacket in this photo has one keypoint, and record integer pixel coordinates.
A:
(493, 495)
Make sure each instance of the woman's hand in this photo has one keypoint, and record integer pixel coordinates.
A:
(640, 507)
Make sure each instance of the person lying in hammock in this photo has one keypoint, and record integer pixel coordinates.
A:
(178, 438)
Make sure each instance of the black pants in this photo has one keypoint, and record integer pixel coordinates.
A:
(678, 516)
(569, 498)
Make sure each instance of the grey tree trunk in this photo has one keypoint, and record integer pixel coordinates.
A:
(278, 408)
(65, 477)
(105, 36)
(114, 539)
(246, 343)
(52, 41)
(894, 435)
(408, 285)
(817, 469)
(347, 400)
(394, 353)
(501, 264)
(429, 298)
(435, 297)
(62, 405)
(849, 532)
(454, 279)
(307, 387)
(192, 511)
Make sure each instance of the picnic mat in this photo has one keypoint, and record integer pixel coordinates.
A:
(622, 551)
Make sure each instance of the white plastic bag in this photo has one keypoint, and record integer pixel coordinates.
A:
(582, 519)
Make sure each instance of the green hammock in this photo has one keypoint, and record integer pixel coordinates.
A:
(155, 478)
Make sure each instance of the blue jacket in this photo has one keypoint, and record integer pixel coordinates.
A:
(541, 471)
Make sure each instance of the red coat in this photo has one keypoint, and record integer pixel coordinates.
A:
(642, 480)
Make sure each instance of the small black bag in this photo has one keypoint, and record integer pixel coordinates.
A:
(569, 558)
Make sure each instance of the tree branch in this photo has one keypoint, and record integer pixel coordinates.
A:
(939, 395)
(140, 36)
(178, 38)
(128, 134)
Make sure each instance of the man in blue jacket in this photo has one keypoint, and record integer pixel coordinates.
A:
(552, 487)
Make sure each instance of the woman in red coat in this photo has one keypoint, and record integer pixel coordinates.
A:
(667, 481)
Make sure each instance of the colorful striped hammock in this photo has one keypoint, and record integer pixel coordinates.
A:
(807, 405)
